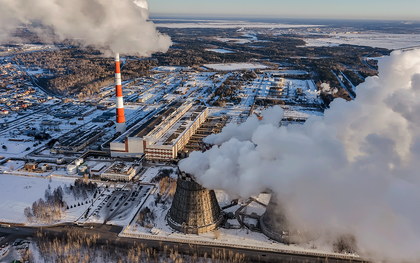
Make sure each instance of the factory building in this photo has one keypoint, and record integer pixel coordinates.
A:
(195, 209)
(79, 140)
(162, 136)
(121, 171)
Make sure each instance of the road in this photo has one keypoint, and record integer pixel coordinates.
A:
(364, 60)
(351, 94)
(110, 234)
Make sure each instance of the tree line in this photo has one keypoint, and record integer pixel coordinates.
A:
(78, 247)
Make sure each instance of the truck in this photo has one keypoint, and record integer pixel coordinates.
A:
(5, 225)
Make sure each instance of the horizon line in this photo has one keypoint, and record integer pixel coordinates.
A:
(246, 16)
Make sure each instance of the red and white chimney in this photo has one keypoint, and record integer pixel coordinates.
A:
(120, 101)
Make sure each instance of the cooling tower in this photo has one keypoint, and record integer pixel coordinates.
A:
(119, 95)
(194, 209)
(274, 224)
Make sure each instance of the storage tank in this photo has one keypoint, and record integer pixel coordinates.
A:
(78, 162)
(71, 169)
(83, 169)
(44, 167)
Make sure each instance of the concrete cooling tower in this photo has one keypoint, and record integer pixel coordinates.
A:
(274, 224)
(194, 209)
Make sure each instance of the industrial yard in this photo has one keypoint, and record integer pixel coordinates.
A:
(68, 130)
(88, 141)
(122, 147)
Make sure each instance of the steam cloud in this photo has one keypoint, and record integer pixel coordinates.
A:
(353, 170)
(327, 89)
(115, 25)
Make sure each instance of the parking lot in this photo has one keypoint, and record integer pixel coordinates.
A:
(118, 206)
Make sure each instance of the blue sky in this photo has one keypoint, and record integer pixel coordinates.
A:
(353, 9)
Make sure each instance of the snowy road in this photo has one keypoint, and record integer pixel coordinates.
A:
(344, 86)
(352, 85)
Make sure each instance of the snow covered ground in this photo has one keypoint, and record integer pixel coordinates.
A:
(235, 66)
(34, 71)
(19, 192)
(292, 72)
(4, 251)
(220, 50)
(118, 205)
(379, 40)
(151, 172)
(167, 68)
(300, 112)
(235, 40)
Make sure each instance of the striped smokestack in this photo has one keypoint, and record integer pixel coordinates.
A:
(120, 102)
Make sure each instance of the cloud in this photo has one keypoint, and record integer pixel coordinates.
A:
(115, 25)
(353, 170)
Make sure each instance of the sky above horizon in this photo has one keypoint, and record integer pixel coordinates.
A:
(355, 9)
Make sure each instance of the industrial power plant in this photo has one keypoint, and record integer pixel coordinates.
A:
(199, 140)
(160, 137)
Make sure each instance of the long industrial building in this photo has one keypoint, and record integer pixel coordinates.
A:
(161, 136)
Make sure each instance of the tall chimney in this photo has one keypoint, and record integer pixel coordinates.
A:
(120, 102)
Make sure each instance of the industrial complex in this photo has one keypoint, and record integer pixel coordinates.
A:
(162, 136)
(129, 139)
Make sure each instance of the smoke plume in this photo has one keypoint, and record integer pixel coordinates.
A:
(113, 25)
(355, 170)
(327, 88)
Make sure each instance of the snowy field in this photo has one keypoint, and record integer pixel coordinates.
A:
(151, 172)
(236, 40)
(34, 71)
(292, 72)
(379, 40)
(167, 68)
(235, 66)
(19, 192)
(220, 50)
(300, 112)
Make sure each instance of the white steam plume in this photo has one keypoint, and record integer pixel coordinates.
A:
(355, 169)
(115, 25)
(327, 88)
(142, 3)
